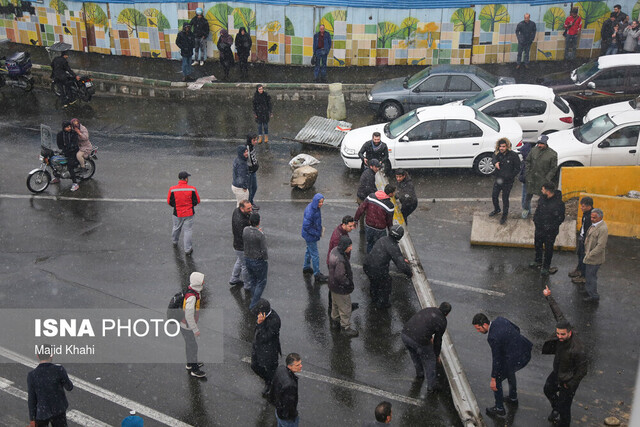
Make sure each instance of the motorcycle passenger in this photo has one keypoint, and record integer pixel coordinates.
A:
(84, 144)
(63, 76)
(67, 141)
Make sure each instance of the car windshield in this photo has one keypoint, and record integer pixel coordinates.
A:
(487, 77)
(585, 71)
(487, 120)
(594, 129)
(479, 100)
(401, 124)
(417, 77)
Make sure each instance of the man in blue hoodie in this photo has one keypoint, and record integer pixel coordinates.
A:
(311, 233)
(240, 183)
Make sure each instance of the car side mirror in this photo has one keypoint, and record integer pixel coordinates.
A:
(604, 144)
(404, 139)
(417, 90)
(591, 85)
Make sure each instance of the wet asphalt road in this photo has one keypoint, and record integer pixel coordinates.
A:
(117, 254)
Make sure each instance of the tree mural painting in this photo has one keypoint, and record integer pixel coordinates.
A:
(329, 18)
(635, 12)
(430, 29)
(59, 6)
(408, 29)
(244, 17)
(493, 14)
(155, 18)
(593, 14)
(218, 17)
(93, 14)
(463, 19)
(554, 18)
(133, 19)
(288, 27)
(387, 31)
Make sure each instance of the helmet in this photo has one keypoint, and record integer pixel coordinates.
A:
(199, 11)
(397, 232)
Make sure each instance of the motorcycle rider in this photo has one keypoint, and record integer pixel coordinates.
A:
(67, 141)
(63, 76)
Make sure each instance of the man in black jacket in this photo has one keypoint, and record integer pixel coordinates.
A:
(569, 366)
(606, 32)
(63, 76)
(375, 149)
(186, 42)
(67, 141)
(200, 33)
(507, 165)
(252, 162)
(526, 34)
(422, 336)
(578, 275)
(266, 344)
(341, 286)
(284, 391)
(368, 180)
(405, 194)
(547, 219)
(239, 220)
(376, 266)
(45, 388)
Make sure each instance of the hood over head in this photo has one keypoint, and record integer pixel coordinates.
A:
(344, 243)
(262, 306)
(240, 150)
(316, 200)
(250, 137)
(196, 281)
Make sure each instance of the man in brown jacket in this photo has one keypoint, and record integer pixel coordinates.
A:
(594, 248)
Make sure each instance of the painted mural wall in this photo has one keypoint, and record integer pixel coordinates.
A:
(284, 34)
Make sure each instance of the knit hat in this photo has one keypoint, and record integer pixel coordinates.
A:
(196, 281)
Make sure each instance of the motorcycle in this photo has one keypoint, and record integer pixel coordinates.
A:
(40, 178)
(81, 89)
(15, 71)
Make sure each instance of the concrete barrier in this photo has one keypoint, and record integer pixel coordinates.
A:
(621, 214)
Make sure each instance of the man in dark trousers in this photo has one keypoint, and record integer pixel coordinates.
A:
(405, 194)
(266, 349)
(376, 266)
(183, 198)
(45, 389)
(186, 43)
(341, 286)
(579, 273)
(239, 220)
(256, 258)
(63, 76)
(189, 324)
(606, 32)
(526, 34)
(67, 141)
(547, 219)
(422, 336)
(321, 48)
(507, 165)
(284, 391)
(510, 351)
(569, 366)
(541, 165)
(252, 162)
(378, 210)
(347, 225)
(200, 33)
(375, 149)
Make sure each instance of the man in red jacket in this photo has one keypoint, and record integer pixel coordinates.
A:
(183, 198)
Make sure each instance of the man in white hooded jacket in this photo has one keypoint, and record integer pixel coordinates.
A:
(189, 325)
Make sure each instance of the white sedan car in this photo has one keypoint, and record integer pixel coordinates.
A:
(536, 108)
(607, 140)
(446, 136)
(617, 107)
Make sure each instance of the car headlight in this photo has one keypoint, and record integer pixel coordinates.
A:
(369, 97)
(349, 151)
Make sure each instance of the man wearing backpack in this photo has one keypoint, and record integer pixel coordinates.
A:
(189, 323)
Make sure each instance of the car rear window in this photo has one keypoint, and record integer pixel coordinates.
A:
(479, 100)
(561, 104)
(489, 121)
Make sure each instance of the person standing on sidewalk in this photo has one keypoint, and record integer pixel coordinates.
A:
(252, 163)
(526, 34)
(341, 286)
(631, 34)
(547, 219)
(375, 149)
(256, 258)
(186, 42)
(606, 33)
(239, 221)
(594, 249)
(578, 275)
(240, 182)
(46, 384)
(510, 350)
(266, 344)
(406, 194)
(570, 366)
(226, 55)
(541, 166)
(507, 164)
(183, 198)
(321, 48)
(311, 233)
(572, 29)
(284, 391)
(189, 324)
(200, 33)
(262, 112)
(422, 336)
(378, 210)
(243, 44)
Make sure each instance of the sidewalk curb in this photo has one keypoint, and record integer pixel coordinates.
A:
(123, 85)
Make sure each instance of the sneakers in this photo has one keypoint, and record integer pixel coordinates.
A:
(201, 63)
(575, 273)
(200, 365)
(503, 219)
(494, 213)
(511, 401)
(194, 63)
(307, 270)
(350, 333)
(495, 411)
(236, 283)
(553, 270)
(197, 373)
(535, 264)
(321, 278)
(55, 181)
(75, 187)
(189, 252)
(525, 214)
(255, 207)
(579, 280)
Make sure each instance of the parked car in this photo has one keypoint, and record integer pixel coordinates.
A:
(607, 140)
(446, 136)
(435, 85)
(617, 107)
(611, 78)
(536, 108)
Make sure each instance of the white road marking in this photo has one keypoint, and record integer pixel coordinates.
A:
(73, 415)
(355, 386)
(102, 392)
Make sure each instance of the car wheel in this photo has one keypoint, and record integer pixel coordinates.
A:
(483, 165)
(390, 110)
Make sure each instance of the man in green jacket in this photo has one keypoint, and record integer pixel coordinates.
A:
(594, 247)
(541, 167)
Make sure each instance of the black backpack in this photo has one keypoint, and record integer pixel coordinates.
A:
(174, 310)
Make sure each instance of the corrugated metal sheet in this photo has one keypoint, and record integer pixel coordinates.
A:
(319, 130)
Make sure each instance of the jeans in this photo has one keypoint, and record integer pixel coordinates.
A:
(263, 128)
(191, 346)
(57, 421)
(287, 423)
(239, 268)
(612, 49)
(526, 198)
(591, 286)
(505, 187)
(570, 47)
(546, 238)
(200, 50)
(312, 258)
(72, 162)
(522, 48)
(513, 391)
(560, 398)
(253, 186)
(372, 235)
(186, 66)
(424, 359)
(320, 69)
(185, 222)
(257, 278)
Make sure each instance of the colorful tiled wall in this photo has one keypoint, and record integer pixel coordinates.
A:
(284, 34)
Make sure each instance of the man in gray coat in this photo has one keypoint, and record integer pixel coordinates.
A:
(541, 166)
(594, 249)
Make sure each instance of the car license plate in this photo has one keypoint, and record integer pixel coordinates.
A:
(88, 84)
